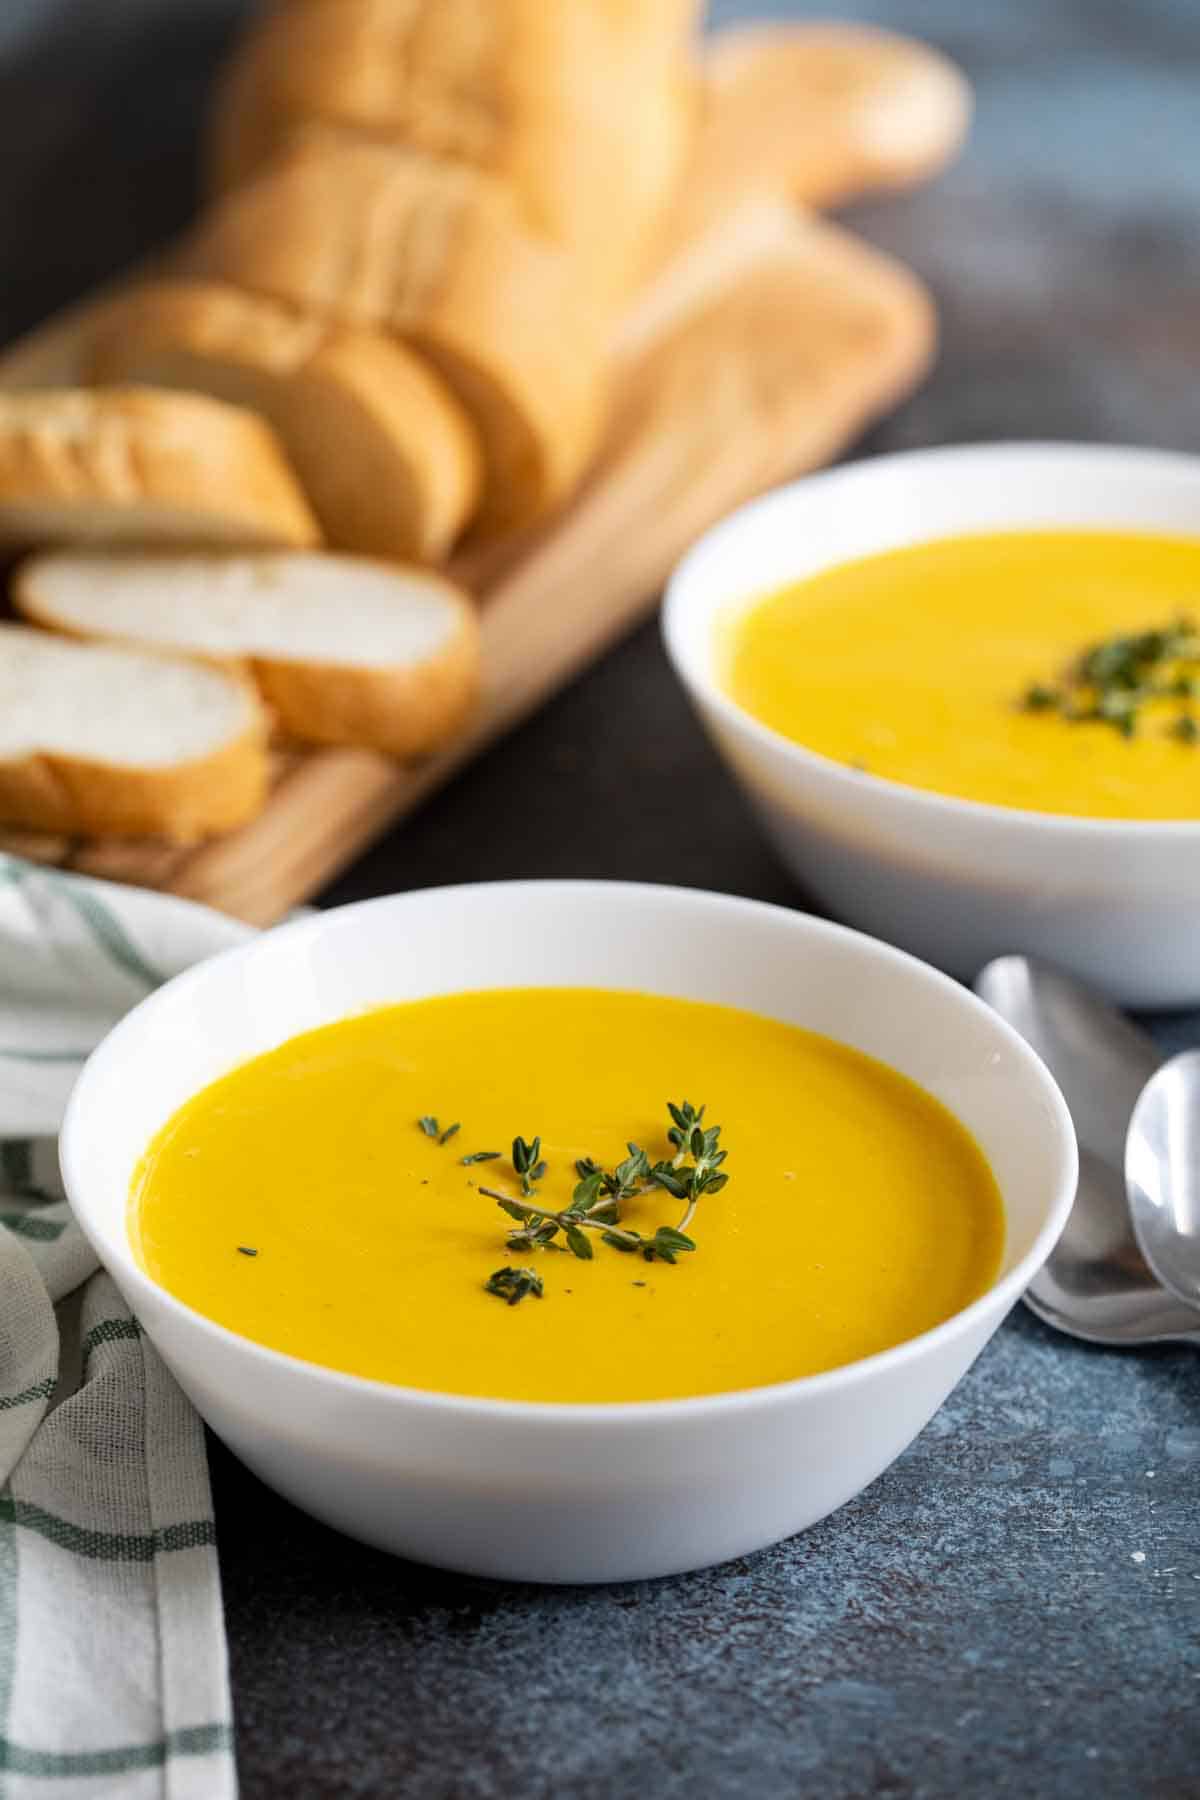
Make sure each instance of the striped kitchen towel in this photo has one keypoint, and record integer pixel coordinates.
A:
(113, 1674)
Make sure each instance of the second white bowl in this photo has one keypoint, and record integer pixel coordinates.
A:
(954, 881)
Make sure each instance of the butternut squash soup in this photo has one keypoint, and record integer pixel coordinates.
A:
(515, 1193)
(1051, 670)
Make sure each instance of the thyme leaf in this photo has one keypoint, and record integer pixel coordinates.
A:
(512, 1285)
(527, 1162)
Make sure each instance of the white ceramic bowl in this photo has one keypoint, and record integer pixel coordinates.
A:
(954, 881)
(566, 1492)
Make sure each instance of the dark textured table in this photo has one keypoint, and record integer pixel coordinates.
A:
(1014, 1608)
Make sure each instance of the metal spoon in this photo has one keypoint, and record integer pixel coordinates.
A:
(1162, 1174)
(1096, 1284)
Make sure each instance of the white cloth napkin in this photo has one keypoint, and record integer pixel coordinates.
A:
(113, 1671)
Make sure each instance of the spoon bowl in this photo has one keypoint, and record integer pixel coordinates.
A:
(1162, 1174)
(1096, 1283)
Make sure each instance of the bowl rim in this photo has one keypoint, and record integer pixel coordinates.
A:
(680, 637)
(1000, 1294)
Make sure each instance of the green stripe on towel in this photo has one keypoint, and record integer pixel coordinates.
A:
(106, 1546)
(42, 1231)
(42, 1391)
(193, 1740)
(109, 1331)
(110, 934)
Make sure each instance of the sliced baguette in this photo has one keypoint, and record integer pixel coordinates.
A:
(121, 465)
(437, 253)
(584, 110)
(346, 651)
(386, 455)
(98, 739)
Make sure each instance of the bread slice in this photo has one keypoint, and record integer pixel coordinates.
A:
(437, 253)
(346, 651)
(386, 455)
(581, 109)
(103, 740)
(133, 465)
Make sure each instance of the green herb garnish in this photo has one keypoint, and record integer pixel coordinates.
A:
(1111, 682)
(512, 1285)
(432, 1129)
(478, 1156)
(693, 1171)
(245, 1250)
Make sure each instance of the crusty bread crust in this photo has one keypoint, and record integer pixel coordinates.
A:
(86, 465)
(389, 459)
(585, 111)
(437, 253)
(183, 804)
(406, 711)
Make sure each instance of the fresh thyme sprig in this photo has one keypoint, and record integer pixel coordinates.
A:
(694, 1170)
(1111, 682)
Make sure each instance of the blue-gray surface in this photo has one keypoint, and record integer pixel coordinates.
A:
(1014, 1608)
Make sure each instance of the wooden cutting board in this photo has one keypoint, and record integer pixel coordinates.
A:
(770, 341)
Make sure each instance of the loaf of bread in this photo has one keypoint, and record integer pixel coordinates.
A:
(438, 254)
(344, 650)
(583, 108)
(386, 454)
(100, 739)
(133, 465)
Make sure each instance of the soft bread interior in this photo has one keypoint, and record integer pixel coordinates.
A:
(104, 704)
(287, 606)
